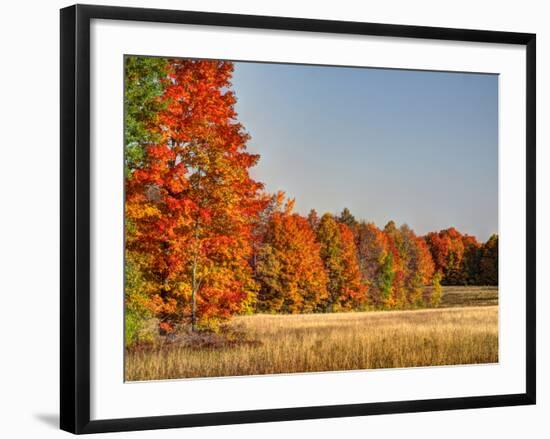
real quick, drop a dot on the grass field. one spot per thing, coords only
(269, 344)
(469, 296)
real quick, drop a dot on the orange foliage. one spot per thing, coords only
(194, 203)
(290, 271)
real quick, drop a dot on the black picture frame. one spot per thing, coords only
(75, 218)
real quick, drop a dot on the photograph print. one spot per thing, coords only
(293, 218)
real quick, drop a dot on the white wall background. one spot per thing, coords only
(29, 248)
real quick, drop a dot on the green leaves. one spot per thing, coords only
(145, 80)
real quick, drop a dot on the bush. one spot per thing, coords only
(139, 329)
(140, 326)
(437, 290)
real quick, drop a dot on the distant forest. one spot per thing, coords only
(205, 241)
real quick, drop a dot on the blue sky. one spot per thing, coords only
(417, 147)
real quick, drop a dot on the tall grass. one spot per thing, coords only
(469, 296)
(272, 344)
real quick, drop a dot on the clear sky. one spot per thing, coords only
(417, 147)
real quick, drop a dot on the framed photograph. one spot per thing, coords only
(268, 219)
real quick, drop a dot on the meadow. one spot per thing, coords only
(462, 330)
(457, 296)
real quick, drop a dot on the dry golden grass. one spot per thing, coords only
(330, 342)
(469, 296)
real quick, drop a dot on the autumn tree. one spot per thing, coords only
(313, 219)
(447, 248)
(459, 258)
(398, 245)
(201, 128)
(157, 211)
(418, 266)
(145, 79)
(372, 250)
(453, 273)
(433, 297)
(423, 262)
(290, 271)
(471, 260)
(194, 203)
(274, 203)
(488, 265)
(395, 263)
(386, 280)
(338, 252)
(439, 248)
(354, 290)
(328, 235)
(347, 218)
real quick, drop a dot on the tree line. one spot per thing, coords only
(205, 241)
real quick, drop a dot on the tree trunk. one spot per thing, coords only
(194, 281)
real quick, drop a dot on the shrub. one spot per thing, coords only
(139, 329)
